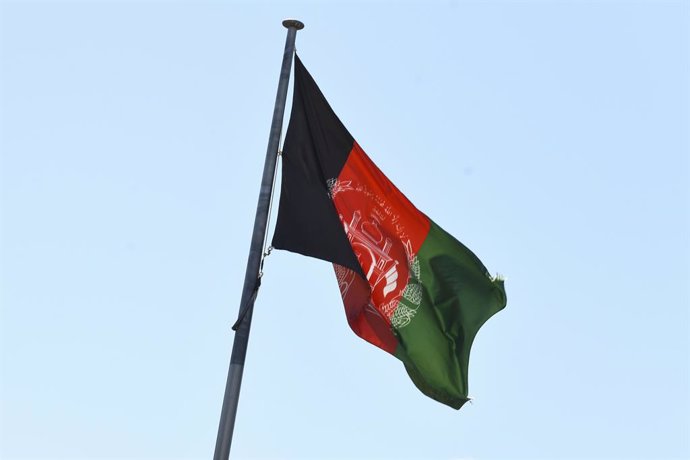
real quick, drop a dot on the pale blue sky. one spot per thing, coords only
(550, 137)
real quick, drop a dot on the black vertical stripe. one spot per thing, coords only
(316, 148)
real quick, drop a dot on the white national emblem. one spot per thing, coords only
(344, 277)
(382, 270)
(411, 298)
(335, 186)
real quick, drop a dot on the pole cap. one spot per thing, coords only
(299, 25)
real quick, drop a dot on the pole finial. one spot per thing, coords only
(299, 25)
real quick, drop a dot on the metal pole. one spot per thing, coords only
(239, 346)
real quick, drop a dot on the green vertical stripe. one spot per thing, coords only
(458, 296)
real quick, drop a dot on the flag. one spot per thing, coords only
(408, 287)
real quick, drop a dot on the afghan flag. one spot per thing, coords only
(408, 287)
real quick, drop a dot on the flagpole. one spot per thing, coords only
(252, 277)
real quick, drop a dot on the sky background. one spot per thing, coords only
(550, 137)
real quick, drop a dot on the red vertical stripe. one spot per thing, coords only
(385, 231)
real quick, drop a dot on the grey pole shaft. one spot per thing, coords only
(239, 346)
